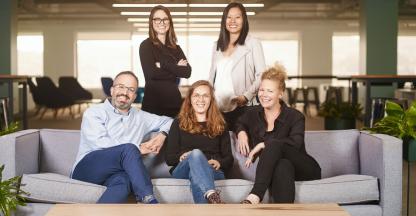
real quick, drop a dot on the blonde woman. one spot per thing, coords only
(275, 133)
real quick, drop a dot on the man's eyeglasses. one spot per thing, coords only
(121, 87)
(159, 21)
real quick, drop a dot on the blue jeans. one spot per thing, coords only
(120, 169)
(201, 175)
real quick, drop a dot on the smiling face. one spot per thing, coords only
(123, 92)
(201, 99)
(269, 93)
(234, 22)
(160, 22)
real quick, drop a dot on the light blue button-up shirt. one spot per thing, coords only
(103, 126)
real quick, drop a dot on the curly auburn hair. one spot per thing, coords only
(187, 118)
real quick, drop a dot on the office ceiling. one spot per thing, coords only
(273, 9)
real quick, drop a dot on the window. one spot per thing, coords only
(137, 66)
(30, 54)
(285, 52)
(200, 55)
(102, 55)
(406, 61)
(345, 56)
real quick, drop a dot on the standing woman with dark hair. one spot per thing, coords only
(237, 64)
(163, 62)
(199, 146)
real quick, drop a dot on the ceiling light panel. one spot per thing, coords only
(224, 5)
(148, 5)
(183, 5)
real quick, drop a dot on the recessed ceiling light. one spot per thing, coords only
(183, 5)
(197, 29)
(185, 25)
(137, 19)
(187, 29)
(136, 13)
(148, 5)
(213, 13)
(224, 5)
(204, 20)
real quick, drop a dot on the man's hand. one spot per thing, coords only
(242, 143)
(215, 164)
(144, 149)
(155, 144)
(184, 156)
(253, 152)
(240, 100)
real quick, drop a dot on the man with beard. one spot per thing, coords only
(112, 144)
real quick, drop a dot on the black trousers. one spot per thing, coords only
(280, 165)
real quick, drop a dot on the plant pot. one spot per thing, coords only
(409, 150)
(339, 123)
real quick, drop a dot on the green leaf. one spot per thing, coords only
(411, 115)
(10, 194)
(394, 109)
(13, 127)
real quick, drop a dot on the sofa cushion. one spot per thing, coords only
(55, 188)
(344, 189)
(336, 151)
(58, 150)
(170, 190)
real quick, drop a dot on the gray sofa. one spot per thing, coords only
(360, 171)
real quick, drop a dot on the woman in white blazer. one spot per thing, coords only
(237, 64)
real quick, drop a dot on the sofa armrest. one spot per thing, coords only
(381, 156)
(19, 152)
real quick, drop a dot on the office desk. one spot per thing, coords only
(368, 80)
(9, 80)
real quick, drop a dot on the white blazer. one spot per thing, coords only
(249, 64)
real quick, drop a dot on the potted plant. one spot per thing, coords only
(339, 116)
(10, 194)
(13, 127)
(401, 124)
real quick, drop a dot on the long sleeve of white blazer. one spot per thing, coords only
(249, 64)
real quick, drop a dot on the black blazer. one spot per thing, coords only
(289, 127)
(161, 93)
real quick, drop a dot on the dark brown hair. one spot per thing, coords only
(224, 38)
(187, 118)
(170, 36)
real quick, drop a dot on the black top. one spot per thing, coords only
(289, 127)
(179, 142)
(161, 93)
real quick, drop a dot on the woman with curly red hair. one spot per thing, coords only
(199, 146)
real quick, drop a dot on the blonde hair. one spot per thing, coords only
(276, 73)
